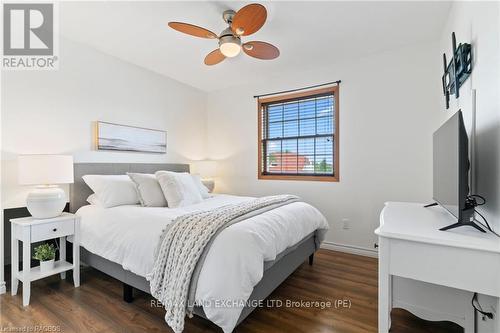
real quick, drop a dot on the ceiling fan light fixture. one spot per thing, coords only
(230, 46)
(246, 21)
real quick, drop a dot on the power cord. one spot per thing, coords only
(486, 221)
(473, 203)
(474, 196)
(479, 309)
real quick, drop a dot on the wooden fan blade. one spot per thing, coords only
(261, 50)
(214, 57)
(192, 30)
(249, 19)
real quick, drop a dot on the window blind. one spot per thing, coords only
(297, 136)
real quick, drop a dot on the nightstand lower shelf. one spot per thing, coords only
(35, 273)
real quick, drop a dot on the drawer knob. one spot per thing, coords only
(54, 230)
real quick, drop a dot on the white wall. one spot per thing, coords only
(478, 23)
(388, 111)
(53, 112)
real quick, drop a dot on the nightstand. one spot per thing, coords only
(29, 230)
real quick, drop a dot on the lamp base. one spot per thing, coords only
(45, 202)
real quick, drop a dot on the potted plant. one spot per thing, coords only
(46, 253)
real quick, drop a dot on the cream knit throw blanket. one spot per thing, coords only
(182, 244)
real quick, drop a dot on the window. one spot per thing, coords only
(298, 136)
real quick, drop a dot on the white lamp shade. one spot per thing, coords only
(45, 169)
(206, 169)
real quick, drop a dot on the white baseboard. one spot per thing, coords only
(362, 251)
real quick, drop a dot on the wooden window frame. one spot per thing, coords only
(292, 96)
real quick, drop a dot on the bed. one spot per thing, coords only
(109, 242)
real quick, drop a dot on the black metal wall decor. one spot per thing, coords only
(458, 70)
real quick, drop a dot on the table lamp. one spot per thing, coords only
(47, 199)
(207, 170)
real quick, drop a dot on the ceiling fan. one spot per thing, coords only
(246, 21)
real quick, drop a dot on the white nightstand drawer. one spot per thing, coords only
(51, 230)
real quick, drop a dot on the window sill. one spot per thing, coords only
(303, 178)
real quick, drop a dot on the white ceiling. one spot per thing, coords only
(308, 34)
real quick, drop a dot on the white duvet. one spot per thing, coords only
(128, 235)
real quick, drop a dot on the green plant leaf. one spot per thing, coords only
(45, 252)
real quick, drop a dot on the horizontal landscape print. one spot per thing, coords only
(129, 138)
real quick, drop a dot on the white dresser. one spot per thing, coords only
(433, 273)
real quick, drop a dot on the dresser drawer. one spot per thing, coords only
(52, 230)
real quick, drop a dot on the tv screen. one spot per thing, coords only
(451, 164)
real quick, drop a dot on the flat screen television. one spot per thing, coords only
(451, 171)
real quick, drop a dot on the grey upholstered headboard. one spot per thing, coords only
(79, 191)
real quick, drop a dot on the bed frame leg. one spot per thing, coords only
(311, 259)
(128, 293)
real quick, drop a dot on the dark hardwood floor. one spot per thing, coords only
(97, 305)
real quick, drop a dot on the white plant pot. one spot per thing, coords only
(47, 265)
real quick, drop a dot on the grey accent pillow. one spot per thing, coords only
(179, 188)
(209, 184)
(148, 190)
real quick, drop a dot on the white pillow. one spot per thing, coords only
(94, 200)
(201, 187)
(148, 189)
(113, 190)
(179, 188)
